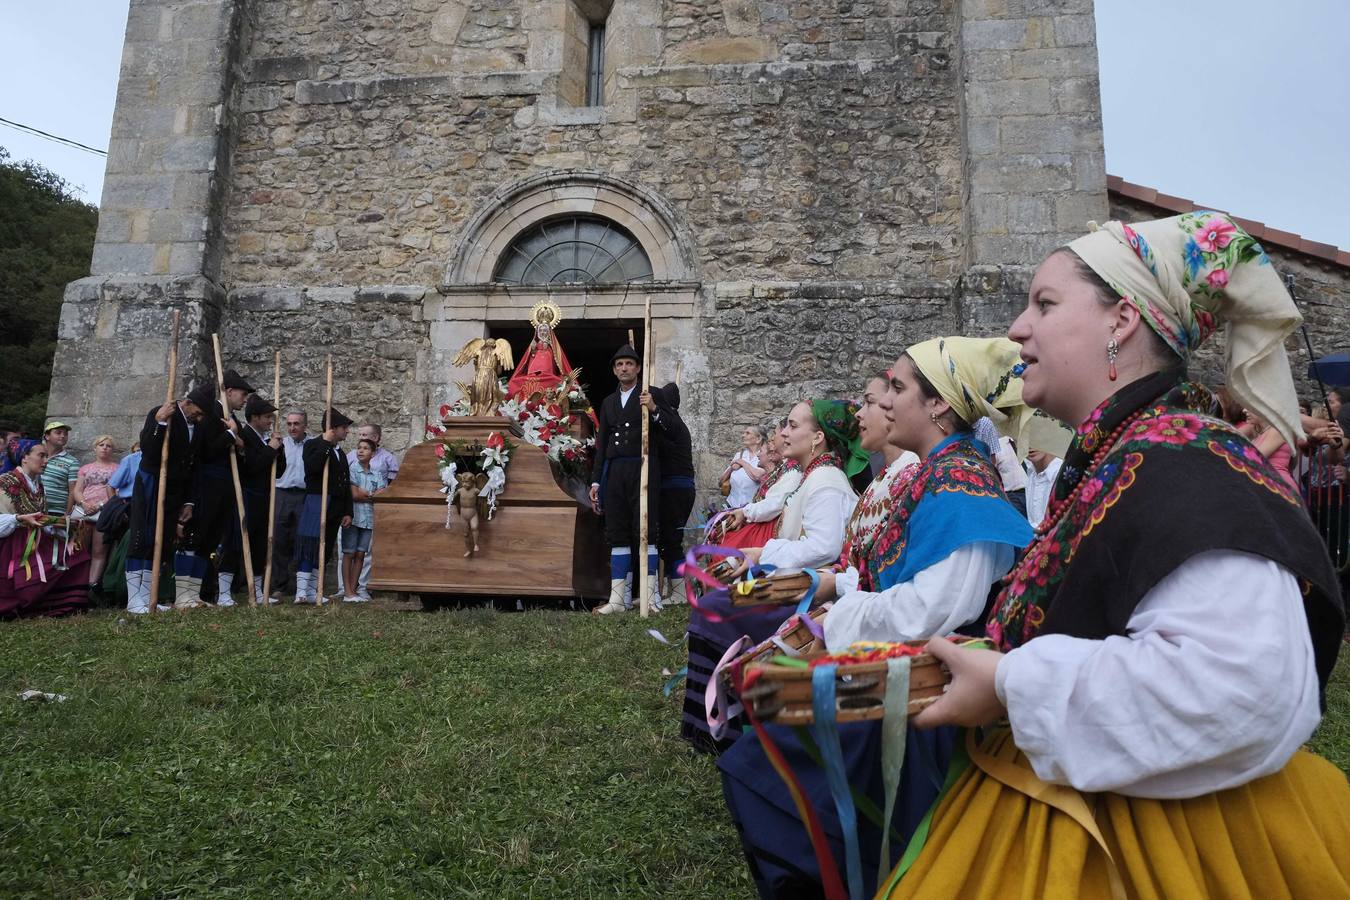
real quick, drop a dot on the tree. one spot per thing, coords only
(46, 241)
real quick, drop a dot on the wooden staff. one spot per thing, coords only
(158, 555)
(323, 498)
(234, 477)
(272, 487)
(646, 585)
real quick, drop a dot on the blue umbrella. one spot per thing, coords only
(1332, 369)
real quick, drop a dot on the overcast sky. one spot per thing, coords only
(1243, 105)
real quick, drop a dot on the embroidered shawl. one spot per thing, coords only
(16, 494)
(955, 498)
(1177, 483)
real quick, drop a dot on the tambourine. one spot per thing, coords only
(772, 590)
(780, 690)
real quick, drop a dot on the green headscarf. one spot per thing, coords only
(837, 418)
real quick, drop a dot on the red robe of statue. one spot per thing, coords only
(541, 369)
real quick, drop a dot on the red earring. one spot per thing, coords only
(1112, 349)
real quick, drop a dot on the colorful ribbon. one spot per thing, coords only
(825, 729)
(894, 731)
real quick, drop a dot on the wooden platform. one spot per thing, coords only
(540, 543)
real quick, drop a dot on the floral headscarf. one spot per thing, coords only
(1188, 274)
(982, 377)
(837, 418)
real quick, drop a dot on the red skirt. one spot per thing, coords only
(53, 581)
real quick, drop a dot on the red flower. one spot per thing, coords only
(435, 430)
(554, 411)
(445, 410)
(440, 451)
(495, 441)
(1218, 279)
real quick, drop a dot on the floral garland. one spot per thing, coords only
(547, 424)
(489, 458)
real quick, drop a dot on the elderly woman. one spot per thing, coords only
(947, 533)
(1165, 642)
(743, 475)
(821, 437)
(40, 573)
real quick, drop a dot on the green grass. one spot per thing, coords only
(353, 752)
(365, 752)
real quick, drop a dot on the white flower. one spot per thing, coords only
(448, 475)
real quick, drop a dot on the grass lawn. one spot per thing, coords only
(354, 752)
(365, 752)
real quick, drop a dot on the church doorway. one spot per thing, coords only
(588, 344)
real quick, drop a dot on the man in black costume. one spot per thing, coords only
(180, 420)
(616, 478)
(675, 451)
(216, 519)
(326, 447)
(262, 446)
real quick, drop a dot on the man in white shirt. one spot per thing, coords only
(290, 502)
(1042, 469)
(384, 463)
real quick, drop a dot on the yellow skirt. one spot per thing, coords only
(1001, 833)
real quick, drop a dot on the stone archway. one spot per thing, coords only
(469, 304)
(529, 201)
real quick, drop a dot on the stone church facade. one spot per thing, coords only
(799, 189)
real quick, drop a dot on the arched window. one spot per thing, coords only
(575, 250)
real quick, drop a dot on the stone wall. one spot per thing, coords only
(822, 184)
(1322, 289)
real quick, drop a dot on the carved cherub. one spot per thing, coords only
(489, 356)
(471, 484)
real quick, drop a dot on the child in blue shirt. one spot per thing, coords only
(366, 483)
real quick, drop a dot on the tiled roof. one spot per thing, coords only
(1285, 240)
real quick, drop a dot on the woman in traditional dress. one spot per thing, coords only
(41, 573)
(947, 536)
(1165, 642)
(821, 436)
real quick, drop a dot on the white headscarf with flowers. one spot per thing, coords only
(1188, 274)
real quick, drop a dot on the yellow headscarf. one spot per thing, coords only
(982, 377)
(1188, 274)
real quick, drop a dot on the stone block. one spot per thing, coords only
(982, 135)
(1065, 62)
(989, 213)
(993, 34)
(137, 192)
(330, 296)
(723, 50)
(282, 68)
(1048, 134)
(391, 294)
(186, 154)
(258, 98)
(256, 298)
(1030, 215)
(1077, 95)
(1073, 211)
(1089, 172)
(1020, 97)
(185, 258)
(123, 259)
(1021, 174)
(1075, 31)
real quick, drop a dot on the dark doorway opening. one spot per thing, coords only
(588, 345)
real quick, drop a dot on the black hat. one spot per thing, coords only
(668, 396)
(626, 352)
(257, 406)
(203, 395)
(339, 420)
(234, 380)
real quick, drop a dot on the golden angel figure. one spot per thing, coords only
(488, 356)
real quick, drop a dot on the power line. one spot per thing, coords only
(52, 137)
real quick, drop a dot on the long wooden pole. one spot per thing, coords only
(646, 585)
(234, 477)
(272, 484)
(323, 498)
(157, 556)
